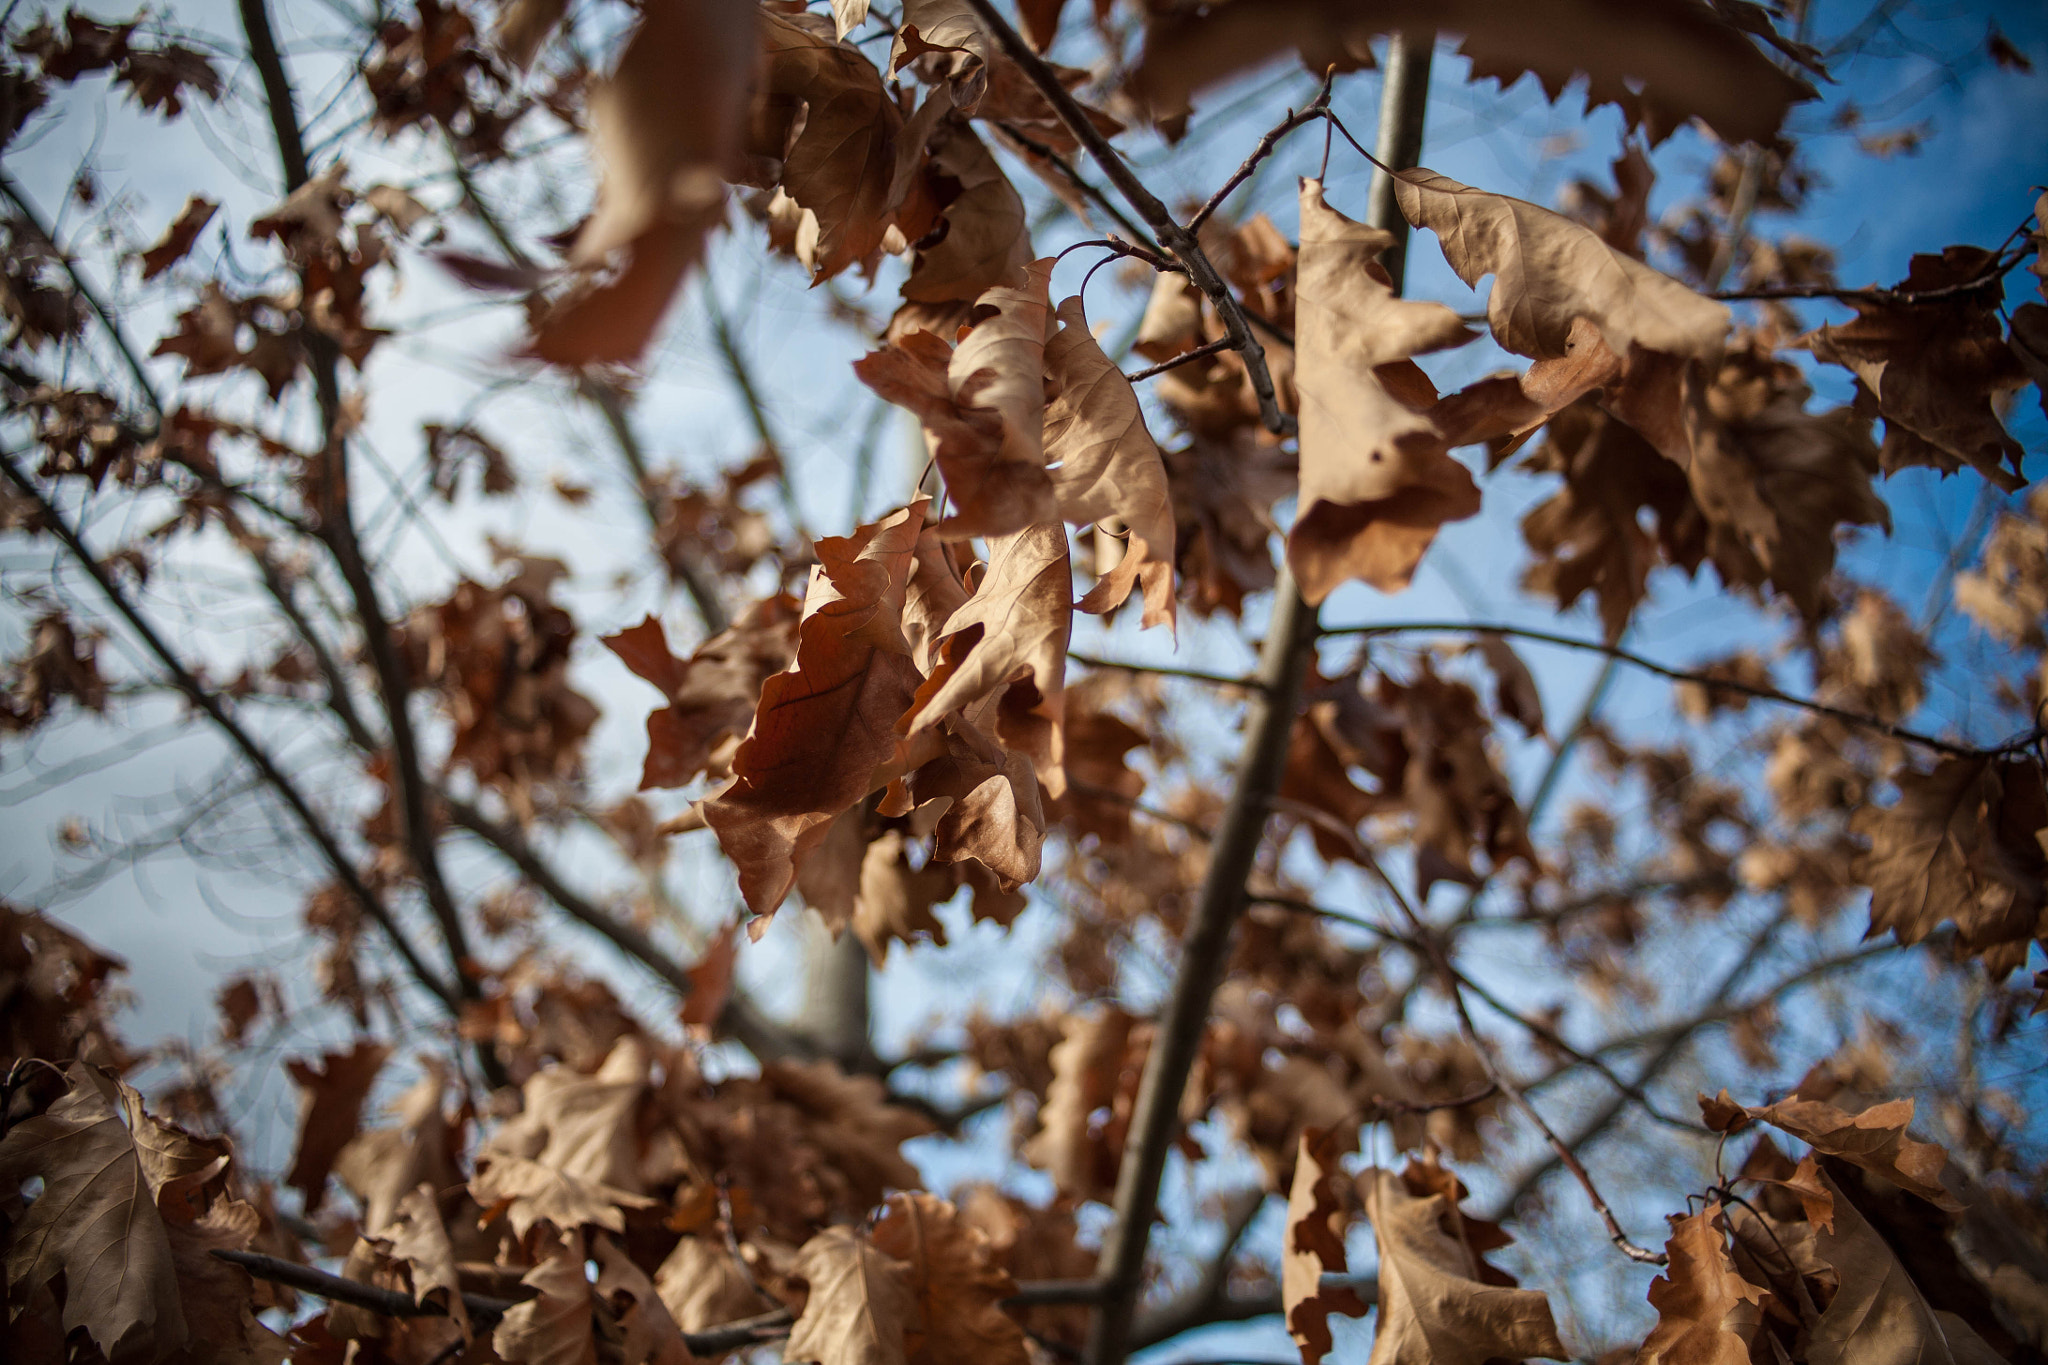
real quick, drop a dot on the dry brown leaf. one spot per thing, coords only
(824, 725)
(420, 1239)
(860, 1306)
(1013, 631)
(648, 1334)
(1878, 1316)
(1874, 1140)
(848, 15)
(1707, 1313)
(331, 1099)
(1662, 61)
(986, 242)
(955, 1284)
(1549, 271)
(712, 694)
(555, 1326)
(1961, 845)
(527, 1193)
(1375, 480)
(179, 236)
(947, 41)
(383, 1165)
(1935, 370)
(95, 1223)
(704, 1286)
(1106, 466)
(1314, 1247)
(581, 1126)
(711, 979)
(1515, 694)
(842, 166)
(1433, 1307)
(895, 901)
(1086, 1065)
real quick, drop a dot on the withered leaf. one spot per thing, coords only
(95, 1223)
(985, 241)
(1874, 1140)
(331, 1099)
(1878, 1315)
(1376, 482)
(1105, 465)
(1433, 1307)
(711, 695)
(419, 1238)
(1087, 1065)
(1549, 271)
(1934, 369)
(179, 236)
(554, 1326)
(649, 1335)
(1707, 1313)
(1314, 1247)
(828, 722)
(954, 1281)
(860, 1306)
(1662, 62)
(1960, 845)
(1013, 630)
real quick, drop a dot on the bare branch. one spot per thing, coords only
(199, 695)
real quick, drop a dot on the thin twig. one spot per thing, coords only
(1077, 180)
(1634, 660)
(1164, 671)
(200, 696)
(1185, 358)
(1172, 236)
(1310, 112)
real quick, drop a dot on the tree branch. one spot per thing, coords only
(1186, 358)
(337, 530)
(1310, 112)
(197, 693)
(1634, 660)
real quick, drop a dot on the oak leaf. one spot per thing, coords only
(648, 1334)
(381, 1166)
(179, 236)
(1012, 633)
(1878, 1316)
(985, 242)
(1106, 466)
(1549, 271)
(1960, 844)
(1087, 1065)
(554, 1327)
(1433, 1307)
(1376, 482)
(859, 1307)
(955, 1284)
(703, 1285)
(419, 1238)
(331, 1097)
(579, 1125)
(1707, 1313)
(711, 695)
(527, 1193)
(823, 726)
(1934, 369)
(1874, 1140)
(1314, 1247)
(95, 1223)
(1662, 62)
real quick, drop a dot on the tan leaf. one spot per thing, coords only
(220, 1299)
(1087, 1065)
(1874, 1140)
(1960, 845)
(1707, 1313)
(1172, 322)
(1375, 481)
(860, 1305)
(1549, 271)
(986, 242)
(843, 164)
(179, 236)
(649, 1335)
(419, 1238)
(1013, 630)
(95, 1223)
(396, 207)
(1314, 1247)
(331, 1099)
(848, 15)
(555, 1326)
(704, 1286)
(712, 694)
(1878, 1316)
(954, 1281)
(526, 1192)
(824, 725)
(1105, 465)
(895, 901)
(948, 42)
(1433, 1307)
(582, 1126)
(383, 1165)
(1515, 694)
(711, 978)
(1935, 369)
(1663, 62)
